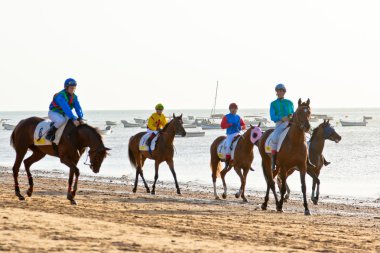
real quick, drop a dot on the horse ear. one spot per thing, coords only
(250, 125)
(308, 102)
(259, 124)
(173, 115)
(181, 116)
(299, 102)
(328, 122)
(324, 122)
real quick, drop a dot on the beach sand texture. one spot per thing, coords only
(110, 218)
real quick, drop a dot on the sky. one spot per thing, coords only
(128, 55)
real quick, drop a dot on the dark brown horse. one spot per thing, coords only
(163, 152)
(72, 145)
(242, 161)
(293, 153)
(317, 143)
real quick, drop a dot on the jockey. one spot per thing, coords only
(61, 107)
(281, 110)
(156, 122)
(234, 124)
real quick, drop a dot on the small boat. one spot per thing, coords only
(106, 131)
(140, 121)
(111, 123)
(354, 123)
(8, 126)
(189, 126)
(367, 117)
(211, 126)
(194, 134)
(129, 124)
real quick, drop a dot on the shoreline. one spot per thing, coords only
(109, 217)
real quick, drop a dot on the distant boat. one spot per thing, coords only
(367, 117)
(211, 126)
(194, 134)
(111, 123)
(189, 126)
(354, 123)
(129, 124)
(8, 126)
(106, 131)
(140, 121)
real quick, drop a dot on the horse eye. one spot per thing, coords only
(254, 135)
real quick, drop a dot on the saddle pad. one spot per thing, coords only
(268, 143)
(142, 144)
(41, 131)
(222, 148)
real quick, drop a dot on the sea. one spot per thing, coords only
(354, 170)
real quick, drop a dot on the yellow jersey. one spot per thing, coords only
(156, 121)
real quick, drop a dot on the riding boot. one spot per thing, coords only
(50, 135)
(309, 163)
(274, 159)
(149, 142)
(325, 162)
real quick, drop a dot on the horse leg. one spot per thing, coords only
(156, 165)
(16, 168)
(143, 179)
(287, 195)
(35, 157)
(316, 181)
(75, 187)
(140, 163)
(73, 170)
(245, 174)
(267, 171)
(171, 166)
(303, 187)
(238, 193)
(223, 176)
(136, 179)
(283, 190)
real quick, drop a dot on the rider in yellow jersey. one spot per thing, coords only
(156, 122)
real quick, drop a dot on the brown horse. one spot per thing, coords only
(293, 153)
(317, 143)
(72, 145)
(163, 152)
(242, 161)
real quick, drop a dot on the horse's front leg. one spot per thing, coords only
(73, 170)
(303, 187)
(75, 187)
(223, 176)
(69, 195)
(156, 166)
(316, 182)
(171, 166)
(283, 189)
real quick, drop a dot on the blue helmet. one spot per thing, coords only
(280, 86)
(70, 82)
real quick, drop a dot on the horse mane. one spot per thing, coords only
(95, 130)
(313, 134)
(167, 125)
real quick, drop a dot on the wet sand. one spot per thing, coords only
(110, 218)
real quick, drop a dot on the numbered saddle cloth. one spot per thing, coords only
(268, 143)
(41, 131)
(144, 139)
(222, 148)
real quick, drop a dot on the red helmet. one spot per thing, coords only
(233, 106)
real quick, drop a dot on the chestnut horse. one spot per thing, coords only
(163, 152)
(242, 161)
(316, 145)
(293, 153)
(72, 145)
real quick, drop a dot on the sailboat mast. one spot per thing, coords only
(216, 95)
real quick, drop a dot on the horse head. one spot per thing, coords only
(302, 115)
(178, 125)
(329, 132)
(255, 133)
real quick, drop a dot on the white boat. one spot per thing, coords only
(8, 126)
(354, 123)
(189, 126)
(140, 121)
(111, 123)
(106, 131)
(367, 117)
(211, 126)
(129, 124)
(194, 134)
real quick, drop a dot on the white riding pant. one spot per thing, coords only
(57, 118)
(229, 139)
(280, 127)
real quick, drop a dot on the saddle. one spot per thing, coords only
(222, 148)
(268, 142)
(144, 139)
(41, 130)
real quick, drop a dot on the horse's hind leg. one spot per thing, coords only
(223, 176)
(16, 168)
(156, 166)
(245, 174)
(134, 190)
(143, 179)
(303, 187)
(171, 166)
(35, 157)
(283, 190)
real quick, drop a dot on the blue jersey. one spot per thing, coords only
(281, 108)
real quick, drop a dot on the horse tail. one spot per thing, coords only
(12, 142)
(218, 169)
(131, 156)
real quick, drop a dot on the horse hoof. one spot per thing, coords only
(153, 192)
(29, 193)
(179, 192)
(73, 202)
(224, 196)
(147, 190)
(307, 212)
(263, 207)
(20, 197)
(237, 195)
(217, 198)
(245, 200)
(315, 202)
(134, 190)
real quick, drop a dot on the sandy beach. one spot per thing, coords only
(110, 218)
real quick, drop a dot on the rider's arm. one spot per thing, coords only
(152, 124)
(65, 107)
(242, 123)
(273, 115)
(78, 108)
(224, 124)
